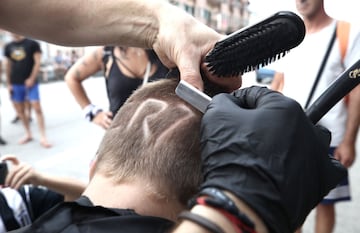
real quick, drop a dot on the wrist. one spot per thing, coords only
(349, 140)
(237, 212)
(215, 217)
(90, 111)
(259, 224)
(38, 179)
(30, 79)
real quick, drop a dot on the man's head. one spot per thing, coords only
(154, 137)
(17, 37)
(309, 8)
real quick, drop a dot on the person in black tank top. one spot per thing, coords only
(124, 68)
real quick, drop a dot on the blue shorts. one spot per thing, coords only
(20, 93)
(341, 192)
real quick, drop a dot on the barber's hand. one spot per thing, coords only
(260, 146)
(184, 43)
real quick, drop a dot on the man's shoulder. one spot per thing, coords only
(31, 42)
(80, 216)
(8, 45)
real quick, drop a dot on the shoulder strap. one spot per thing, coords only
(342, 33)
(107, 52)
(322, 66)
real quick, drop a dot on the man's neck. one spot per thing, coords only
(317, 22)
(131, 195)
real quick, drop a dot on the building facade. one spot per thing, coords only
(224, 16)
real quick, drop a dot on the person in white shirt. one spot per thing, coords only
(295, 78)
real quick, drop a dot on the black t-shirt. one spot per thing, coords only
(82, 216)
(21, 54)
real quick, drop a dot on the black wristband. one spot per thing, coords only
(200, 220)
(217, 199)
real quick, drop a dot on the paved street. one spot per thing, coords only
(75, 142)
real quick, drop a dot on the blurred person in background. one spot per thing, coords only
(23, 65)
(2, 141)
(124, 69)
(305, 73)
(28, 193)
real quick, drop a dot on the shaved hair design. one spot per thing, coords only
(155, 136)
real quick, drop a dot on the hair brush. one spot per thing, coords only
(257, 45)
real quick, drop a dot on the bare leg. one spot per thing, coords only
(28, 109)
(20, 111)
(41, 123)
(2, 141)
(325, 218)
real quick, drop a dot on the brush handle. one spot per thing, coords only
(347, 81)
(256, 45)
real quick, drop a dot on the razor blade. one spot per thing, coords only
(193, 96)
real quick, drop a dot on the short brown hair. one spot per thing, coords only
(155, 136)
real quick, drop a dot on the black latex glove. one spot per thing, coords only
(259, 145)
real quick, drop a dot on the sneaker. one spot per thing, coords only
(15, 120)
(2, 141)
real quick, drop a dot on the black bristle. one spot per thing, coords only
(257, 45)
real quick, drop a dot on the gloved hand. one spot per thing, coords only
(259, 145)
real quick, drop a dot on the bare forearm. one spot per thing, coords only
(35, 71)
(79, 22)
(1, 70)
(277, 83)
(77, 90)
(70, 188)
(8, 72)
(353, 121)
(83, 69)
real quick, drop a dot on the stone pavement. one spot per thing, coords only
(75, 142)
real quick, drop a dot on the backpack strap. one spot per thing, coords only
(342, 33)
